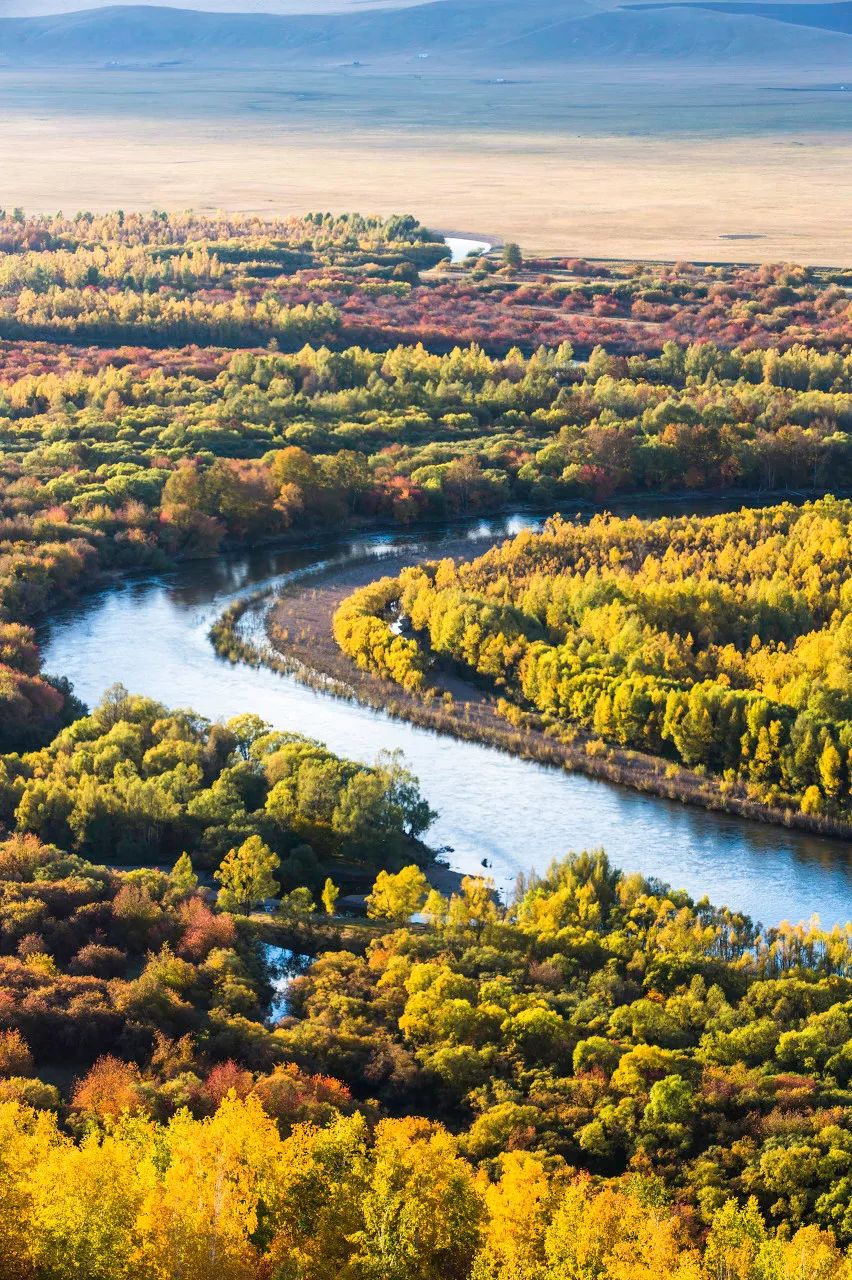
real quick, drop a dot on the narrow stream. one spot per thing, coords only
(151, 634)
(284, 965)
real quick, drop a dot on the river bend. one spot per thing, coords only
(151, 634)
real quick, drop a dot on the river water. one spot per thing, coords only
(460, 247)
(282, 965)
(151, 634)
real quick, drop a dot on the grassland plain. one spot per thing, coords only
(672, 166)
(783, 199)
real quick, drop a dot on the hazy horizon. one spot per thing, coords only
(50, 8)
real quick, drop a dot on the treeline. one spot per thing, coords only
(133, 782)
(314, 238)
(719, 642)
(109, 264)
(95, 314)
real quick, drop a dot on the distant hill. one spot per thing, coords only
(50, 8)
(827, 17)
(498, 33)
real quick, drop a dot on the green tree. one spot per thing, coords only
(246, 729)
(397, 897)
(247, 876)
(330, 894)
(297, 905)
(182, 879)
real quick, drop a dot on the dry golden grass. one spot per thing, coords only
(591, 195)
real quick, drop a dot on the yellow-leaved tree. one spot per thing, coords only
(422, 1209)
(397, 897)
(519, 1206)
(85, 1201)
(609, 1235)
(27, 1138)
(215, 1207)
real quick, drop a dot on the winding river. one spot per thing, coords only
(151, 634)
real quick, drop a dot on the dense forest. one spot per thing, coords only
(600, 1079)
(720, 642)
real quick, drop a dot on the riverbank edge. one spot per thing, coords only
(323, 667)
(625, 773)
(163, 563)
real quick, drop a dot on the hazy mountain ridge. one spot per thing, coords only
(52, 8)
(812, 13)
(452, 31)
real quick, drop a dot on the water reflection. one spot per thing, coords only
(284, 965)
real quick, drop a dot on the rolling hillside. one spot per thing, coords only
(451, 33)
